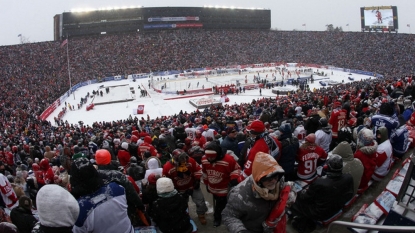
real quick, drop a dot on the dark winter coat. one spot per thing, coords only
(324, 197)
(244, 211)
(133, 148)
(230, 144)
(312, 124)
(170, 214)
(23, 219)
(289, 150)
(44, 229)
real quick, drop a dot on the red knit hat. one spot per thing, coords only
(256, 126)
(102, 157)
(152, 178)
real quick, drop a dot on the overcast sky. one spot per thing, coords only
(34, 19)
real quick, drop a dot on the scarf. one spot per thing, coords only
(170, 194)
(269, 195)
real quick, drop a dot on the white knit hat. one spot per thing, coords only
(124, 145)
(56, 206)
(164, 185)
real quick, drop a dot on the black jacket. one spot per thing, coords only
(23, 219)
(230, 144)
(170, 214)
(312, 124)
(324, 197)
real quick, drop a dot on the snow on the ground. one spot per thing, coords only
(155, 104)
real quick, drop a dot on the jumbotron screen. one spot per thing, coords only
(379, 18)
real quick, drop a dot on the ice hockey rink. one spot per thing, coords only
(121, 102)
(163, 104)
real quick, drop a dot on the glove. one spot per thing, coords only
(196, 185)
(233, 183)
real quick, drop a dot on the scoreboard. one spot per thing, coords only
(379, 18)
(98, 22)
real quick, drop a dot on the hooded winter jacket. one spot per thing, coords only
(351, 165)
(323, 138)
(170, 214)
(367, 155)
(246, 209)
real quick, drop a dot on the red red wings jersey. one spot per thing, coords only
(6, 192)
(259, 146)
(307, 159)
(337, 121)
(218, 175)
(187, 182)
(144, 147)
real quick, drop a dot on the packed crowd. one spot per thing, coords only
(144, 163)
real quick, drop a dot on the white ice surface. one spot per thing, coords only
(156, 105)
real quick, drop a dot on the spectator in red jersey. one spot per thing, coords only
(147, 146)
(261, 141)
(220, 170)
(46, 171)
(309, 156)
(338, 119)
(7, 194)
(186, 174)
(199, 139)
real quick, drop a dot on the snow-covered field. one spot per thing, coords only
(156, 105)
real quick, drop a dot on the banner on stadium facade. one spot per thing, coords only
(167, 19)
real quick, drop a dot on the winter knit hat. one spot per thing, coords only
(56, 206)
(152, 178)
(25, 202)
(311, 138)
(285, 128)
(256, 126)
(344, 150)
(365, 137)
(164, 185)
(84, 178)
(124, 145)
(102, 157)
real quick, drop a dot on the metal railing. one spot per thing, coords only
(371, 227)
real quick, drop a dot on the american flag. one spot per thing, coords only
(64, 43)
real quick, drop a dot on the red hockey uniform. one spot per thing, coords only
(337, 121)
(259, 146)
(307, 159)
(217, 175)
(187, 181)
